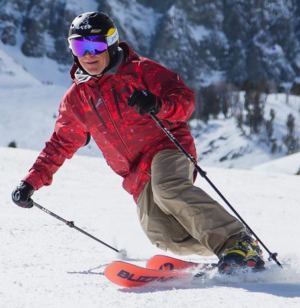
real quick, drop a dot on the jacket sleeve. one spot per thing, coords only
(68, 136)
(178, 101)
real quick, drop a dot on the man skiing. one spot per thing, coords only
(113, 91)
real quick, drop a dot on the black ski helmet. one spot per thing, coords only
(91, 23)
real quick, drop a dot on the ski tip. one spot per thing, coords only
(129, 275)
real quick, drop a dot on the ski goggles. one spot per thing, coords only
(92, 44)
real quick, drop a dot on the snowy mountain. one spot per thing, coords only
(12, 74)
(221, 143)
(45, 263)
(205, 41)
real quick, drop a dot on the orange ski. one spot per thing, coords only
(162, 262)
(129, 275)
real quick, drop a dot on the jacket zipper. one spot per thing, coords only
(91, 103)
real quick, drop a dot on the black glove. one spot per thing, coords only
(21, 195)
(144, 102)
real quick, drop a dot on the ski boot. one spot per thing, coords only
(243, 254)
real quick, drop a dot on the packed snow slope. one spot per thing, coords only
(46, 264)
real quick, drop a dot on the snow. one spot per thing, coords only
(199, 32)
(45, 263)
(12, 75)
(283, 105)
(137, 20)
(220, 143)
(210, 77)
(44, 69)
(82, 6)
(28, 107)
(18, 124)
(287, 165)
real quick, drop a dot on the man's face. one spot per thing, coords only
(94, 64)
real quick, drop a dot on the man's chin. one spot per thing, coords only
(93, 72)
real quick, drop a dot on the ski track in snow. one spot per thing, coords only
(44, 263)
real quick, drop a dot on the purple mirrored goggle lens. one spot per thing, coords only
(93, 44)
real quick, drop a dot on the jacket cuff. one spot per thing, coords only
(164, 110)
(34, 180)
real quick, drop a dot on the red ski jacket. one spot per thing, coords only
(128, 140)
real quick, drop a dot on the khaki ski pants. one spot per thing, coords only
(180, 217)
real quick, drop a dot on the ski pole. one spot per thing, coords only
(72, 225)
(272, 256)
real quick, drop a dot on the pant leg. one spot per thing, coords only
(201, 216)
(163, 230)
